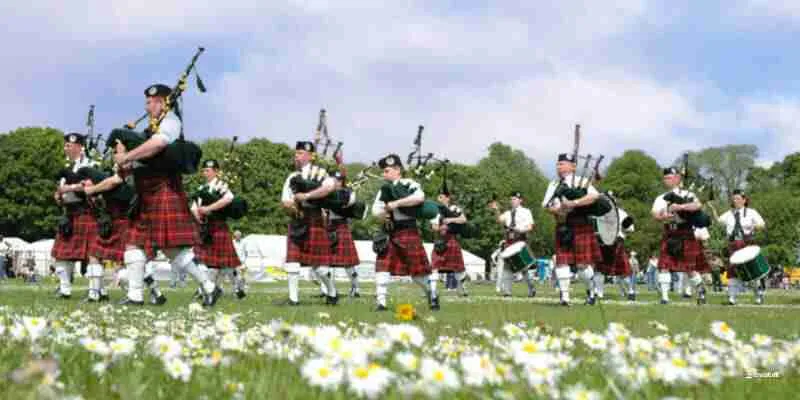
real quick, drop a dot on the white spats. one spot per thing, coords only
(135, 260)
(64, 273)
(323, 274)
(382, 287)
(599, 284)
(434, 280)
(664, 280)
(293, 277)
(353, 275)
(94, 271)
(563, 275)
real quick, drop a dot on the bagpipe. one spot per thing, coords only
(427, 210)
(341, 201)
(208, 194)
(181, 156)
(697, 219)
(587, 175)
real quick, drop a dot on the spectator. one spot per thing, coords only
(716, 273)
(635, 267)
(650, 274)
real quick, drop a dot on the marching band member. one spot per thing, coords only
(518, 223)
(447, 255)
(240, 273)
(576, 243)
(680, 249)
(401, 253)
(615, 260)
(741, 222)
(216, 252)
(307, 243)
(163, 221)
(344, 253)
(77, 229)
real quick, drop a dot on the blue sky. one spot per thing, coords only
(653, 75)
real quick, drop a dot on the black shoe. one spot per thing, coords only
(531, 291)
(322, 295)
(701, 296)
(240, 294)
(730, 303)
(632, 296)
(465, 294)
(590, 300)
(332, 300)
(664, 301)
(198, 294)
(434, 303)
(354, 292)
(686, 296)
(564, 303)
(381, 307)
(104, 298)
(64, 296)
(506, 294)
(88, 299)
(210, 299)
(158, 300)
(128, 302)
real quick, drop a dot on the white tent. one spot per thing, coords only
(39, 251)
(265, 256)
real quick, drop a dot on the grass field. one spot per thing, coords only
(481, 346)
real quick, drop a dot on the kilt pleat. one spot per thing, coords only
(451, 259)
(220, 253)
(585, 248)
(315, 250)
(164, 221)
(692, 260)
(78, 245)
(405, 255)
(619, 264)
(344, 254)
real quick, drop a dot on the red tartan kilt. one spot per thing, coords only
(78, 245)
(586, 248)
(411, 259)
(315, 250)
(345, 253)
(113, 247)
(620, 264)
(451, 260)
(732, 247)
(220, 253)
(165, 221)
(693, 259)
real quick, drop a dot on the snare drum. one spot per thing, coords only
(517, 257)
(750, 264)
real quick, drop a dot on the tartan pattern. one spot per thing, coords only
(409, 258)
(693, 259)
(451, 259)
(77, 246)
(315, 251)
(586, 247)
(220, 253)
(164, 221)
(620, 264)
(113, 247)
(732, 247)
(345, 253)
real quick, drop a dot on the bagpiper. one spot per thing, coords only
(575, 241)
(215, 251)
(399, 247)
(77, 228)
(680, 250)
(307, 242)
(741, 222)
(447, 256)
(343, 247)
(163, 220)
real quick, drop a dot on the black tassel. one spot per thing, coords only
(200, 86)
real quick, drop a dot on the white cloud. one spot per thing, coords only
(776, 121)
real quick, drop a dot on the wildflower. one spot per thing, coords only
(405, 312)
(320, 372)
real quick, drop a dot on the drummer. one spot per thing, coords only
(518, 222)
(741, 222)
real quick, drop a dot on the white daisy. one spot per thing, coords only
(122, 346)
(722, 330)
(406, 335)
(408, 361)
(579, 392)
(165, 347)
(369, 381)
(437, 376)
(34, 326)
(322, 373)
(178, 369)
(95, 346)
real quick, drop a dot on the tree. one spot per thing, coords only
(727, 165)
(634, 176)
(31, 159)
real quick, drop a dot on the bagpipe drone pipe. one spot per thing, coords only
(339, 201)
(425, 211)
(207, 195)
(698, 218)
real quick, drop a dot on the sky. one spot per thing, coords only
(659, 76)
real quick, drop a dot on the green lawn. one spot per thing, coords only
(266, 358)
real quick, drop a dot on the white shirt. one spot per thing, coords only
(71, 197)
(216, 185)
(660, 205)
(378, 206)
(749, 219)
(310, 172)
(169, 129)
(567, 180)
(523, 219)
